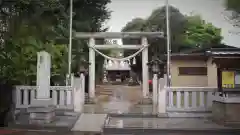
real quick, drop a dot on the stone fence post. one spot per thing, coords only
(162, 94)
(155, 89)
(79, 93)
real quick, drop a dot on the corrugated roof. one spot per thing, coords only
(223, 51)
(226, 53)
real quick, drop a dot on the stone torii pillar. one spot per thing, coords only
(91, 69)
(145, 71)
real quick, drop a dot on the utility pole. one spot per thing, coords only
(168, 44)
(70, 43)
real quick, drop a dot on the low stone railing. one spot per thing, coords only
(63, 97)
(189, 99)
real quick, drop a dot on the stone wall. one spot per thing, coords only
(226, 113)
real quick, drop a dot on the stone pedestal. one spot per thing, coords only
(226, 111)
(41, 115)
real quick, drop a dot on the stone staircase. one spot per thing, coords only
(105, 90)
(132, 111)
(108, 101)
(102, 93)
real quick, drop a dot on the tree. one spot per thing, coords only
(186, 32)
(30, 28)
(89, 16)
(157, 22)
(33, 25)
(200, 34)
(234, 6)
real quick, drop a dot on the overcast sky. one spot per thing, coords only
(212, 11)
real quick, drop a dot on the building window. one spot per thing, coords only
(192, 70)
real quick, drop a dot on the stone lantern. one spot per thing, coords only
(83, 67)
(157, 67)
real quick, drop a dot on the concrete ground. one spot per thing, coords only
(164, 123)
(167, 126)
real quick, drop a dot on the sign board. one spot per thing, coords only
(228, 79)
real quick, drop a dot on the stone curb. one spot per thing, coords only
(109, 130)
(134, 115)
(40, 128)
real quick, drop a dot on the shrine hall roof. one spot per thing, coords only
(223, 51)
(205, 53)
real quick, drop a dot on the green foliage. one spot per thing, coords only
(29, 26)
(186, 32)
(200, 33)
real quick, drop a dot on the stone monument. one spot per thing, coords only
(42, 109)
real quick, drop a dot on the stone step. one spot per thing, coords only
(137, 110)
(145, 101)
(114, 86)
(109, 90)
(103, 92)
(135, 115)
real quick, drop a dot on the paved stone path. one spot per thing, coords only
(90, 123)
(110, 99)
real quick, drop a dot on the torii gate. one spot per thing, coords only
(118, 35)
